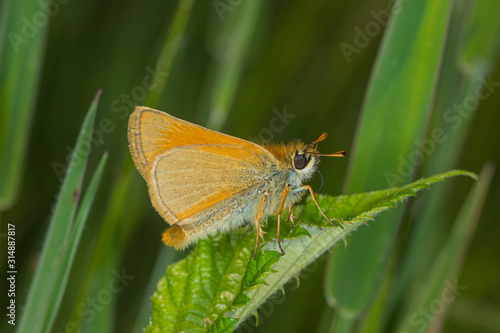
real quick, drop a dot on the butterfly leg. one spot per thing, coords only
(309, 188)
(260, 233)
(291, 217)
(283, 199)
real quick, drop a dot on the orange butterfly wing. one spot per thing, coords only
(189, 168)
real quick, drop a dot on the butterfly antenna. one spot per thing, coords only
(341, 153)
(321, 138)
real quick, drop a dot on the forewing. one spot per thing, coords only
(189, 168)
(188, 180)
(152, 133)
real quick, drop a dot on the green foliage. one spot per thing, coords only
(64, 235)
(385, 79)
(18, 91)
(196, 290)
(442, 277)
(403, 78)
(220, 283)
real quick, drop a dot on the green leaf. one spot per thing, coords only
(223, 325)
(21, 66)
(220, 278)
(258, 269)
(298, 231)
(197, 289)
(63, 236)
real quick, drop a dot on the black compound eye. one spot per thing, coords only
(300, 162)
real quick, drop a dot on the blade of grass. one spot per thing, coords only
(118, 223)
(21, 55)
(472, 46)
(171, 46)
(481, 317)
(480, 45)
(237, 32)
(41, 301)
(74, 240)
(394, 117)
(374, 320)
(429, 306)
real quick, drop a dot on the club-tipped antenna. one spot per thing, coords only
(321, 138)
(341, 153)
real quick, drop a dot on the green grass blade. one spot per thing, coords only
(471, 47)
(74, 240)
(480, 44)
(394, 117)
(124, 207)
(44, 286)
(22, 46)
(170, 49)
(237, 31)
(482, 317)
(441, 286)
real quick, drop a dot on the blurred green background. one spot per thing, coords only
(235, 66)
